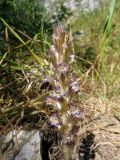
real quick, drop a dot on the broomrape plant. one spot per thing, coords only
(66, 116)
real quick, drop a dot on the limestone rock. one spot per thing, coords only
(24, 145)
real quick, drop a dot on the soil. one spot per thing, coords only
(107, 138)
(106, 128)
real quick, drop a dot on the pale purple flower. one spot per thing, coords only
(59, 96)
(77, 113)
(54, 121)
(75, 87)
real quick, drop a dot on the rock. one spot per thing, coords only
(24, 145)
(90, 5)
(86, 5)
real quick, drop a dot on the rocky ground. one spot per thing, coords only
(100, 120)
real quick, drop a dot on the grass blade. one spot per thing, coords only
(105, 39)
(40, 60)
